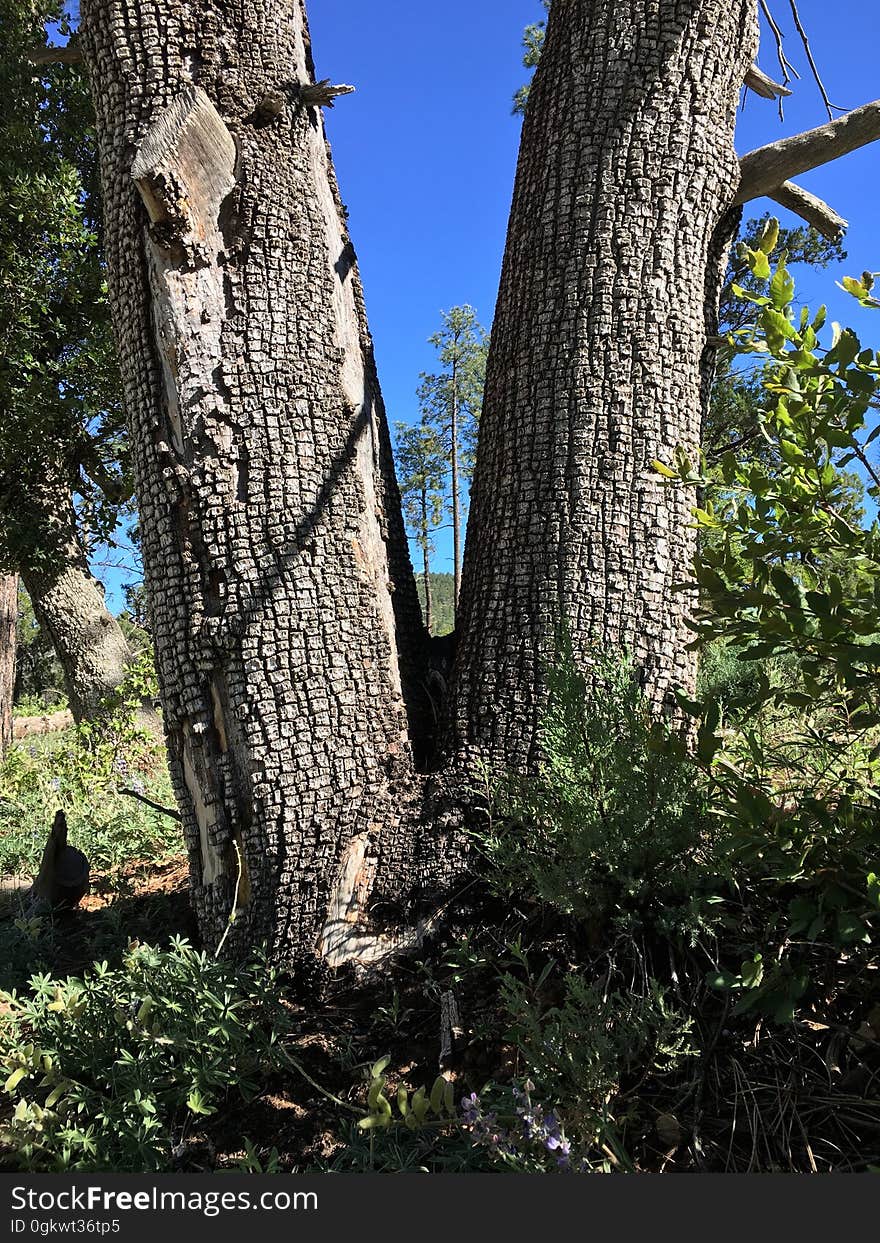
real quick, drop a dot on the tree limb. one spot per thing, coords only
(762, 84)
(767, 168)
(70, 55)
(810, 208)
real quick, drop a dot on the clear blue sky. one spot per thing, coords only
(425, 152)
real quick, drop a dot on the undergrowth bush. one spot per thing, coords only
(114, 1071)
(614, 830)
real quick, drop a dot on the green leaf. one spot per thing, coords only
(14, 1079)
(781, 287)
(769, 236)
(437, 1090)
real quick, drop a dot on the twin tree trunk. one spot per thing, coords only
(288, 636)
(597, 364)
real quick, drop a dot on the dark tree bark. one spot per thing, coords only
(285, 614)
(69, 604)
(597, 363)
(8, 631)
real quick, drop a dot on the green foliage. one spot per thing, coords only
(790, 584)
(614, 828)
(733, 421)
(579, 1049)
(442, 602)
(413, 1110)
(59, 383)
(115, 1070)
(39, 678)
(533, 43)
(462, 346)
(421, 474)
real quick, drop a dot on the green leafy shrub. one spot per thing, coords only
(790, 585)
(580, 1049)
(614, 828)
(113, 1071)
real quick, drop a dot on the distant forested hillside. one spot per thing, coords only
(441, 600)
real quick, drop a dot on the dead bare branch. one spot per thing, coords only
(70, 55)
(323, 93)
(830, 108)
(767, 168)
(810, 208)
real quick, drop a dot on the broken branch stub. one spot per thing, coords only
(762, 84)
(323, 93)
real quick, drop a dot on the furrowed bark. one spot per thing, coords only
(8, 632)
(69, 605)
(285, 614)
(598, 361)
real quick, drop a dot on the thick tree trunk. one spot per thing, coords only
(286, 618)
(8, 631)
(69, 605)
(597, 363)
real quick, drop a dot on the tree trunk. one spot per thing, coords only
(69, 605)
(8, 631)
(597, 363)
(286, 618)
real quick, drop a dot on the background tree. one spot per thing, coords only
(421, 468)
(451, 401)
(59, 388)
(533, 42)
